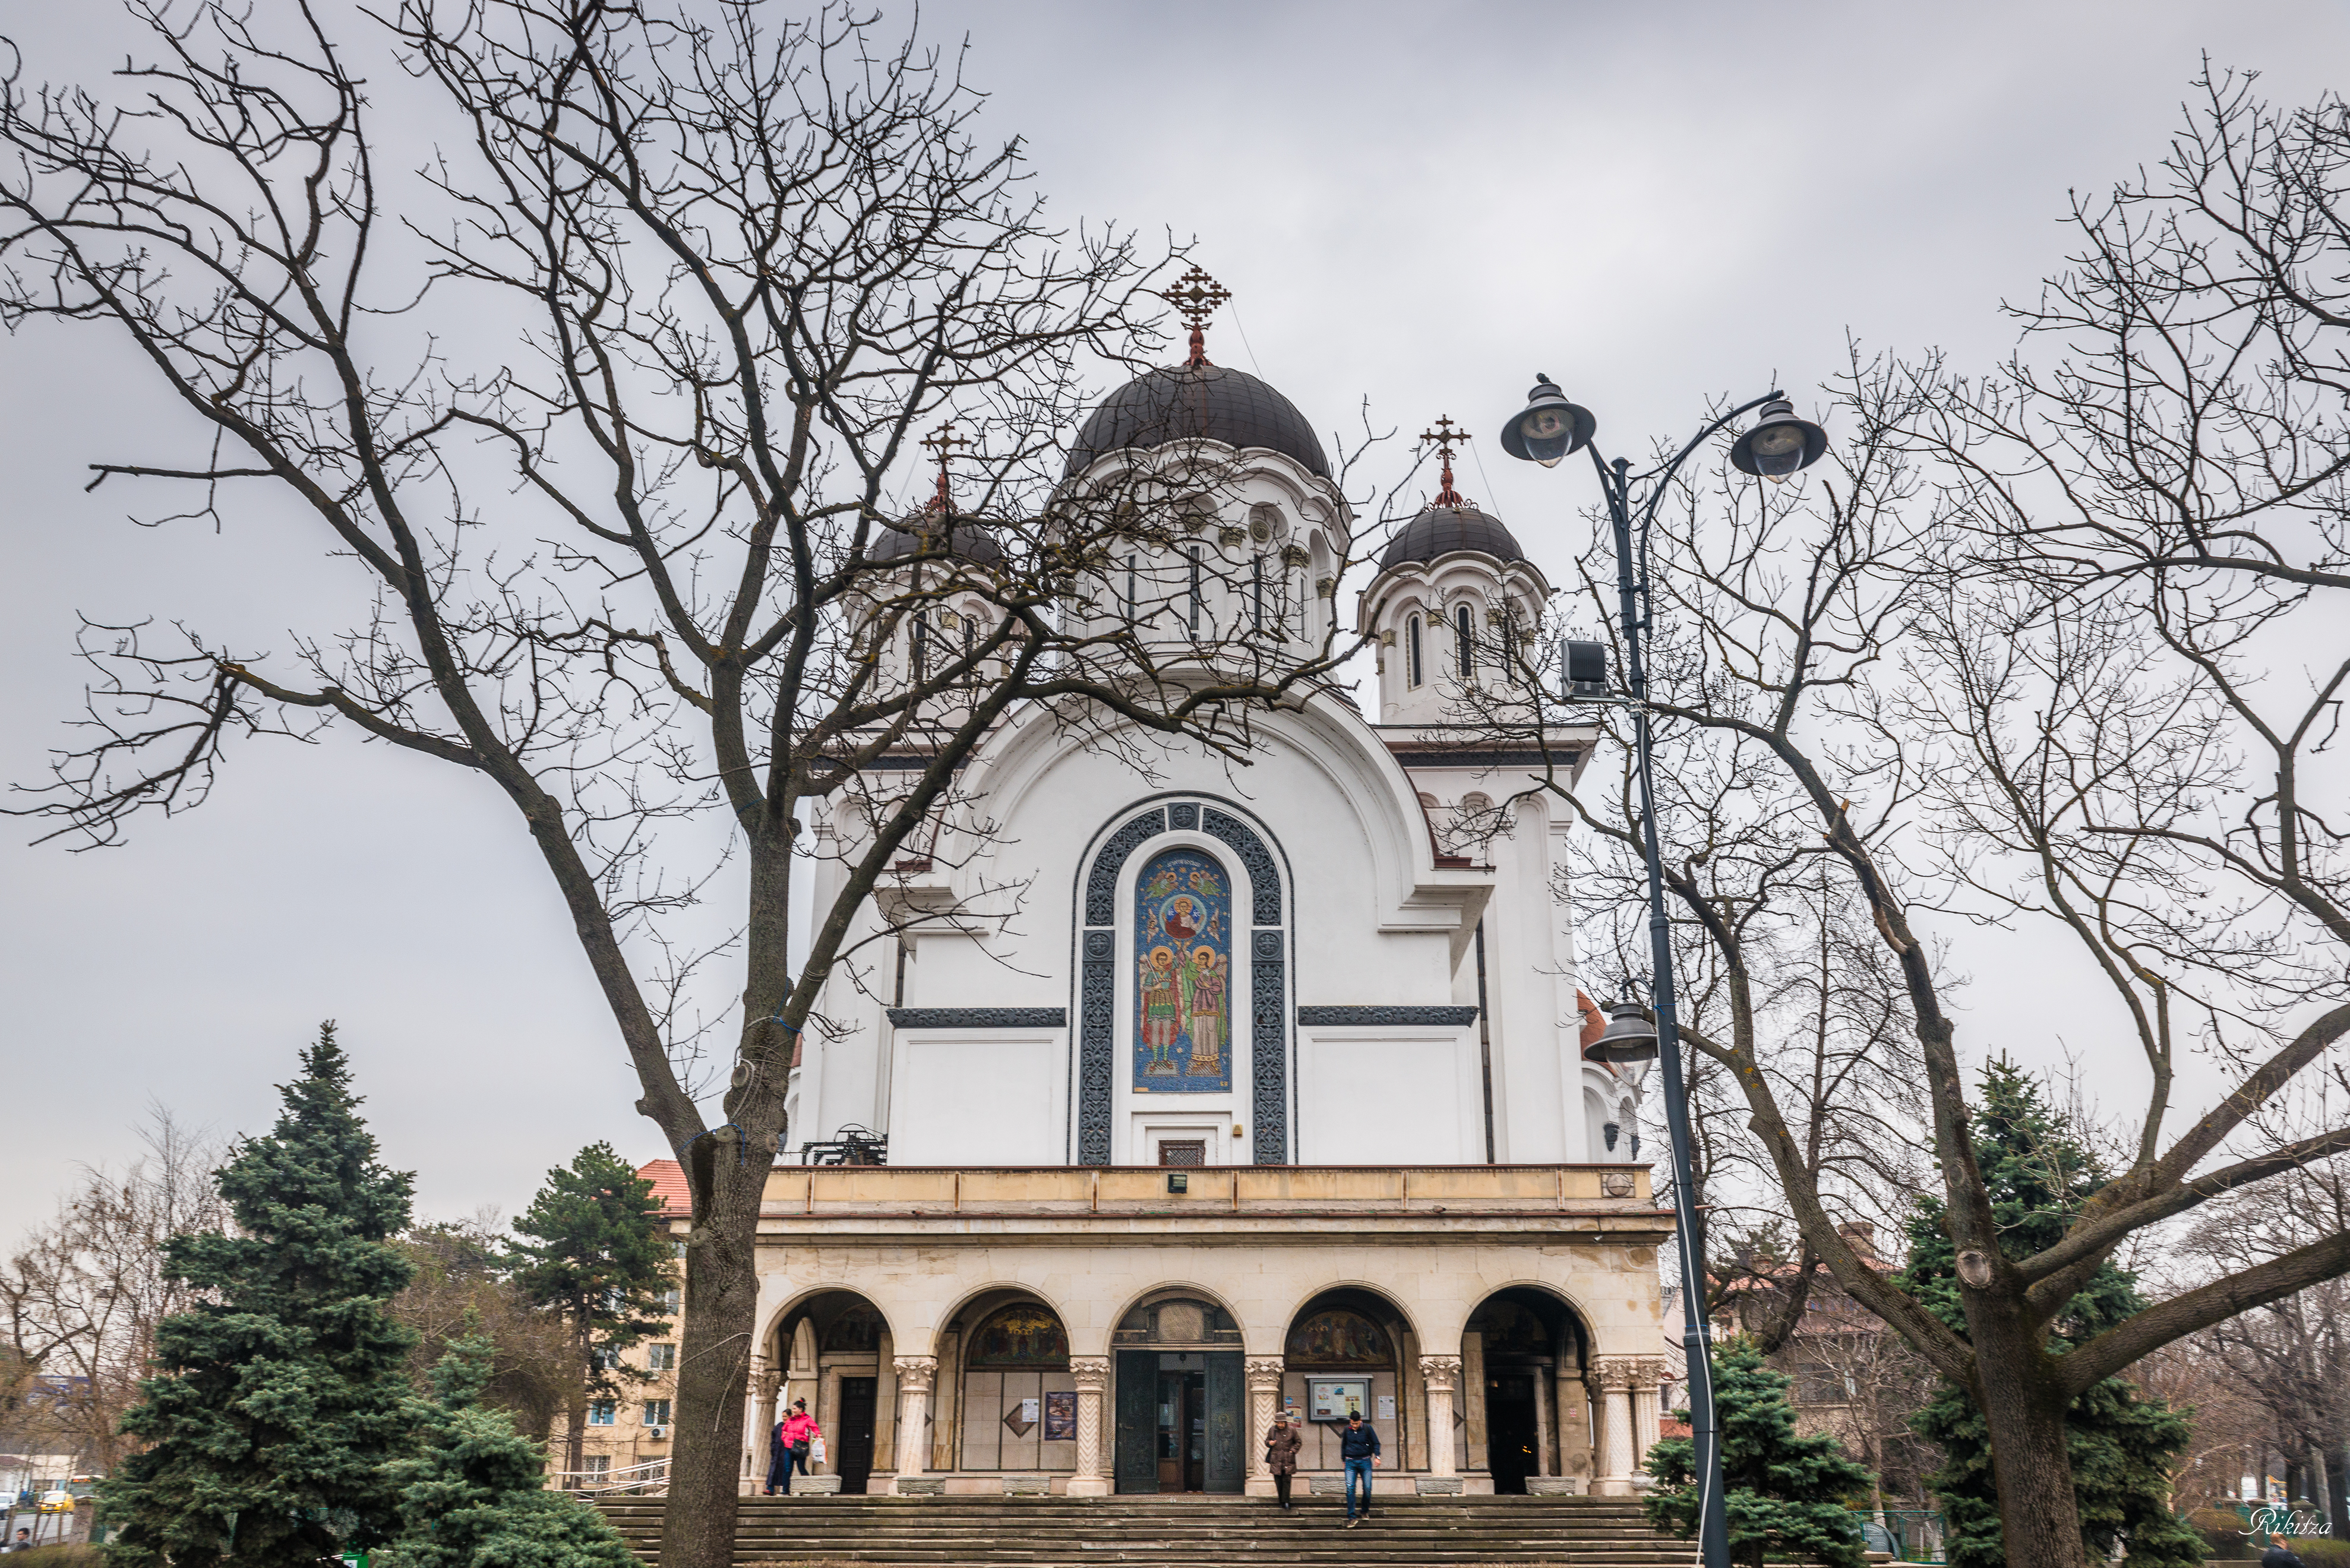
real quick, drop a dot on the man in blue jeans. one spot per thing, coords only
(1358, 1450)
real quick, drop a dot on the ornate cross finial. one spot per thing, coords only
(1195, 297)
(943, 443)
(1447, 436)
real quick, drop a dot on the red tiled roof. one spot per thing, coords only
(1595, 1023)
(668, 1178)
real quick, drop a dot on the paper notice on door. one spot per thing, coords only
(1387, 1407)
(1031, 1410)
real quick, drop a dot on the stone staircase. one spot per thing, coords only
(957, 1532)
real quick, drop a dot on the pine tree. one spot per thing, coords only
(2037, 1174)
(475, 1497)
(280, 1399)
(1784, 1494)
(594, 1251)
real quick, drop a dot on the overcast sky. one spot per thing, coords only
(1421, 203)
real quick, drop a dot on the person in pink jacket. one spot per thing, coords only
(790, 1444)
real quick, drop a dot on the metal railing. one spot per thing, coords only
(648, 1480)
(1912, 1534)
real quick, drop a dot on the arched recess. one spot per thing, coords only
(1351, 1348)
(1528, 1407)
(833, 1350)
(1006, 1398)
(1102, 947)
(1178, 1398)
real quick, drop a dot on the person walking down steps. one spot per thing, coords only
(1281, 1446)
(1358, 1450)
(788, 1448)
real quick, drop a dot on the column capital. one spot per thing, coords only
(1265, 1373)
(915, 1372)
(1652, 1371)
(1091, 1372)
(1616, 1372)
(1441, 1372)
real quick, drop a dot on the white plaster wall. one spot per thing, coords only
(977, 1099)
(1380, 1096)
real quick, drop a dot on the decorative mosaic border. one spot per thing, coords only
(980, 1017)
(1327, 1017)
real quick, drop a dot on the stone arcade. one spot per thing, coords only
(1271, 1095)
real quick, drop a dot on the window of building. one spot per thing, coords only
(678, 1248)
(603, 1413)
(1182, 1151)
(656, 1412)
(1129, 588)
(1463, 633)
(921, 643)
(660, 1358)
(1411, 651)
(1256, 592)
(597, 1464)
(1197, 599)
(671, 1303)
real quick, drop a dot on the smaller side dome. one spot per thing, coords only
(1442, 530)
(966, 539)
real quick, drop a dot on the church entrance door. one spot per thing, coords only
(1179, 1422)
(858, 1396)
(1513, 1431)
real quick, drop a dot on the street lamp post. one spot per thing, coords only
(1548, 429)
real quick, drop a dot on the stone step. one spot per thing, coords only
(973, 1531)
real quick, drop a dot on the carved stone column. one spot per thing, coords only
(915, 1375)
(1264, 1393)
(1615, 1374)
(1442, 1375)
(1649, 1374)
(1092, 1374)
(1575, 1433)
(766, 1383)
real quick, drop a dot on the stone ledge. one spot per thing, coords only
(1440, 1486)
(920, 1486)
(1027, 1486)
(1554, 1486)
(813, 1486)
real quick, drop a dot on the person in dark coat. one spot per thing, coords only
(2279, 1555)
(1359, 1450)
(1281, 1446)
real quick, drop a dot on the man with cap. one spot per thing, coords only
(1281, 1446)
(1359, 1450)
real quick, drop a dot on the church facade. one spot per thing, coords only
(1272, 1093)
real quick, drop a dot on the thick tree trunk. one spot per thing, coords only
(2024, 1408)
(720, 1334)
(574, 1432)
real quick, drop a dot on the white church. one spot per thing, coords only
(1273, 1096)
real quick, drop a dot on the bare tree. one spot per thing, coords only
(85, 1291)
(616, 420)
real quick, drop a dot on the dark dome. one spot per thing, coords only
(967, 540)
(1440, 530)
(1194, 402)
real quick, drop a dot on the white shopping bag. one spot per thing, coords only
(816, 1450)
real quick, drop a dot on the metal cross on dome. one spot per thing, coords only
(1446, 436)
(1195, 297)
(943, 443)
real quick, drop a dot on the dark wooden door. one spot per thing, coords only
(1227, 1427)
(1513, 1435)
(1136, 1445)
(854, 1459)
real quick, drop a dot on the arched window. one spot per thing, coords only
(1462, 633)
(1411, 651)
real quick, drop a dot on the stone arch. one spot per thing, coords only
(1006, 1395)
(833, 1347)
(1350, 1344)
(1101, 948)
(1527, 1403)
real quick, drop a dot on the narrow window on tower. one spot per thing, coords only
(1411, 651)
(1509, 642)
(1461, 627)
(1195, 593)
(921, 643)
(1256, 592)
(1130, 590)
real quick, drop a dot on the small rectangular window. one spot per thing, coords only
(603, 1413)
(1129, 588)
(1461, 624)
(1256, 592)
(671, 1303)
(660, 1358)
(678, 1248)
(1411, 651)
(1196, 600)
(656, 1412)
(597, 1464)
(1188, 1151)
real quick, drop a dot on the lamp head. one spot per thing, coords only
(1779, 444)
(1548, 427)
(1629, 1037)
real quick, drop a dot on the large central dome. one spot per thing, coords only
(1198, 403)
